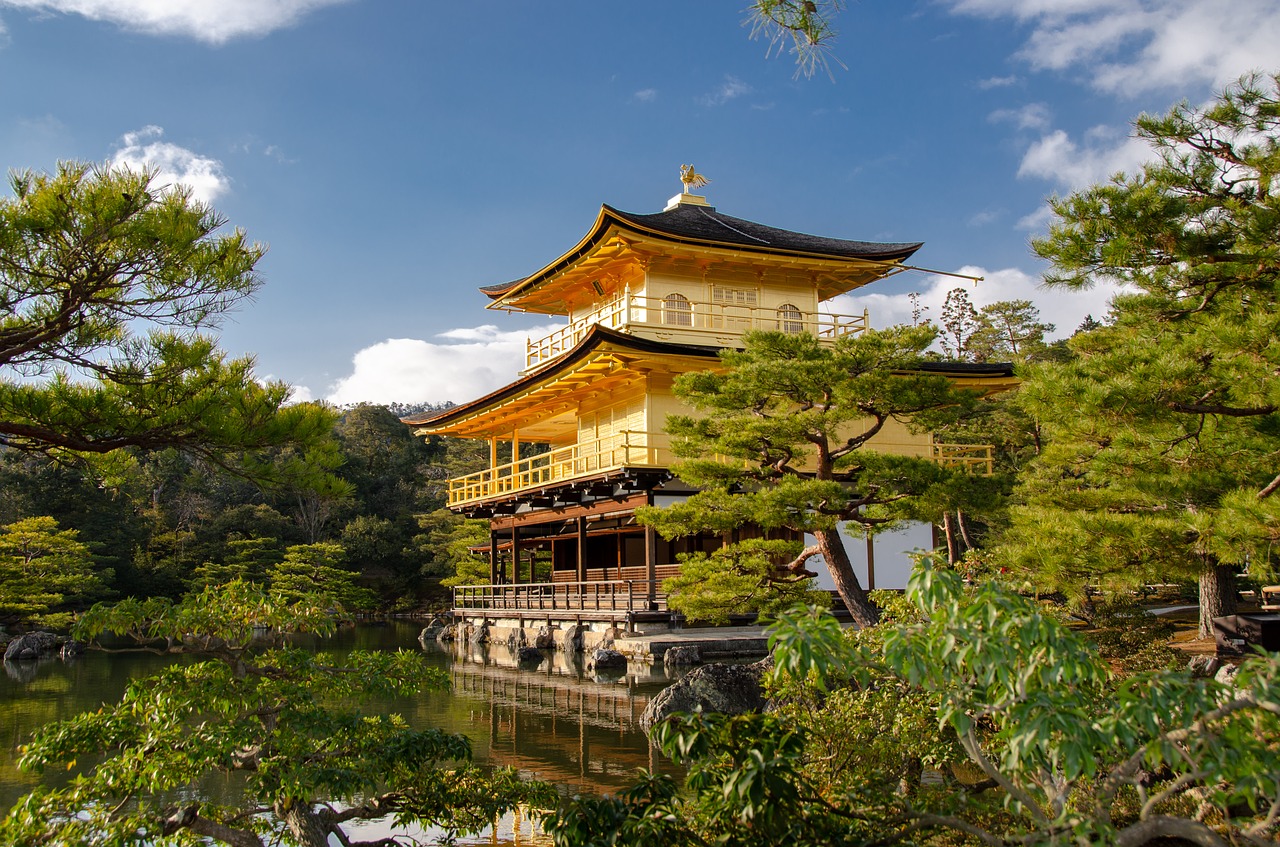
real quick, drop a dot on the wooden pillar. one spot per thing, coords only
(871, 562)
(493, 556)
(515, 446)
(493, 452)
(651, 564)
(515, 553)
(582, 548)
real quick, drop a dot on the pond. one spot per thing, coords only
(558, 723)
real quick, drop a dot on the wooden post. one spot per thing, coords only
(582, 548)
(651, 565)
(871, 563)
(493, 556)
(515, 554)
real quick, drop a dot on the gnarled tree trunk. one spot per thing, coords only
(855, 598)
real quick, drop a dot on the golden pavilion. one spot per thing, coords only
(645, 298)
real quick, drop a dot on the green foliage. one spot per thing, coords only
(312, 568)
(88, 254)
(783, 441)
(750, 577)
(1161, 455)
(449, 537)
(977, 717)
(287, 721)
(806, 24)
(45, 573)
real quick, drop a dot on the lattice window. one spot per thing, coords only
(676, 310)
(790, 319)
(724, 296)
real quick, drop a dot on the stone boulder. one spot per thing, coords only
(546, 638)
(478, 634)
(676, 657)
(432, 631)
(1204, 666)
(516, 640)
(29, 647)
(727, 689)
(607, 660)
(571, 638)
(1227, 674)
(71, 648)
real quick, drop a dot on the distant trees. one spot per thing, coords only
(46, 573)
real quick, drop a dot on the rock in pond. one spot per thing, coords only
(605, 660)
(29, 647)
(728, 689)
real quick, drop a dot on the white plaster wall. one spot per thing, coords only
(892, 549)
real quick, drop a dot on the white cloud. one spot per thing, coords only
(997, 82)
(1030, 116)
(983, 218)
(1068, 164)
(646, 95)
(470, 363)
(174, 164)
(1133, 46)
(211, 21)
(730, 89)
(1063, 308)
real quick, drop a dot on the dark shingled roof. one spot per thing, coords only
(703, 225)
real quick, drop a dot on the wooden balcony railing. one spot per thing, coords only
(627, 449)
(690, 318)
(630, 595)
(974, 458)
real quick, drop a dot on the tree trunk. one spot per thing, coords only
(855, 599)
(949, 530)
(1217, 594)
(964, 530)
(305, 825)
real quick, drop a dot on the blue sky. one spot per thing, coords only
(396, 155)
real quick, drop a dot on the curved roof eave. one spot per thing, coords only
(595, 336)
(682, 225)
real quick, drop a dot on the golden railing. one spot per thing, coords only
(692, 317)
(624, 449)
(974, 458)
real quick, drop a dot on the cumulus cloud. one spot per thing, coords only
(174, 165)
(1065, 309)
(1101, 154)
(731, 89)
(211, 21)
(466, 363)
(1130, 47)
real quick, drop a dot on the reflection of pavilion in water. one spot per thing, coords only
(557, 722)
